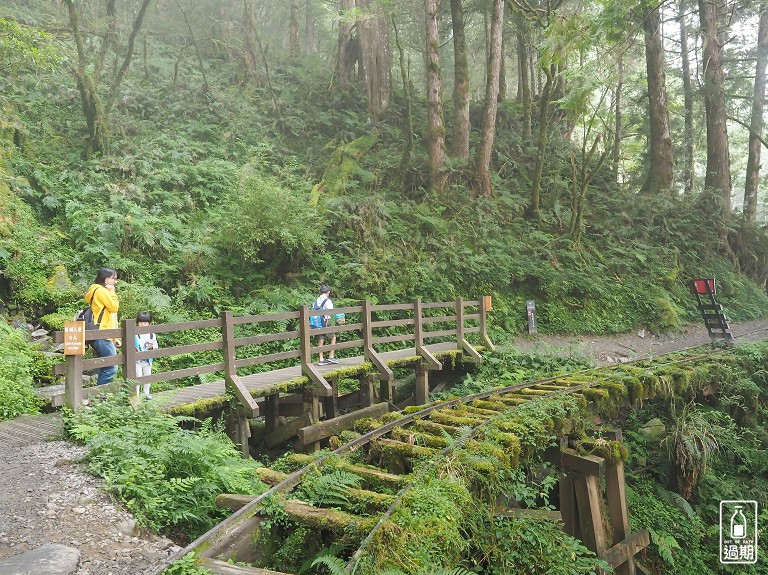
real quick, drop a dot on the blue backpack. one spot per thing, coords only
(318, 320)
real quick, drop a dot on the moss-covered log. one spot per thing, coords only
(360, 500)
(372, 478)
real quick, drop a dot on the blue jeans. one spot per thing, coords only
(105, 348)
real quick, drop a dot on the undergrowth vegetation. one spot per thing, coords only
(17, 369)
(685, 451)
(168, 476)
(237, 206)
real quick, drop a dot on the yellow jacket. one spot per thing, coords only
(105, 299)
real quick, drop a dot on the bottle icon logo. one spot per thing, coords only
(738, 524)
(738, 532)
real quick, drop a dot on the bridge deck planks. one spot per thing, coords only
(259, 384)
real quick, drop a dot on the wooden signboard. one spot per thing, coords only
(530, 307)
(74, 337)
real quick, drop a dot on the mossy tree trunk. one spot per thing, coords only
(373, 33)
(435, 122)
(534, 209)
(617, 119)
(756, 124)
(461, 125)
(687, 101)
(88, 73)
(294, 46)
(718, 175)
(659, 175)
(482, 174)
(523, 76)
(348, 52)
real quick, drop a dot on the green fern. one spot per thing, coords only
(332, 488)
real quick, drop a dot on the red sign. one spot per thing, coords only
(703, 286)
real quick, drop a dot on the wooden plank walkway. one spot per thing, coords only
(263, 383)
(29, 429)
(259, 384)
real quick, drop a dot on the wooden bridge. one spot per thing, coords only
(424, 335)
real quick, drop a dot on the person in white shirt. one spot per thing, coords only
(144, 342)
(324, 302)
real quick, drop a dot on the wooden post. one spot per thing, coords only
(588, 499)
(568, 510)
(367, 391)
(243, 431)
(228, 338)
(304, 338)
(485, 307)
(311, 407)
(460, 323)
(386, 390)
(331, 403)
(422, 385)
(271, 412)
(418, 336)
(73, 384)
(461, 341)
(129, 349)
(418, 326)
(615, 493)
(385, 373)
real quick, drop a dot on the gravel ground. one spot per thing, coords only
(46, 498)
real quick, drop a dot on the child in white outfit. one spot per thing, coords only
(144, 342)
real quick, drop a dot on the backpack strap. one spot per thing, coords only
(103, 308)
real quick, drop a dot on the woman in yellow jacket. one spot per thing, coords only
(104, 305)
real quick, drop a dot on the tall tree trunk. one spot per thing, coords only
(405, 161)
(250, 44)
(503, 88)
(346, 56)
(488, 137)
(659, 136)
(373, 33)
(198, 53)
(718, 159)
(88, 74)
(756, 124)
(534, 210)
(309, 27)
(435, 123)
(687, 102)
(460, 142)
(524, 78)
(293, 30)
(617, 119)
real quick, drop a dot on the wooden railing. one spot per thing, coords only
(362, 330)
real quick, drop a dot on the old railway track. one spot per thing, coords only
(392, 453)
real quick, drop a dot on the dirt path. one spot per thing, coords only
(44, 498)
(616, 348)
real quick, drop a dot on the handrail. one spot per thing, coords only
(408, 326)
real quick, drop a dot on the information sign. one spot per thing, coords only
(74, 337)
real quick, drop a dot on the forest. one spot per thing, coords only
(233, 155)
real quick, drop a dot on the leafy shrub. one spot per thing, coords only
(17, 394)
(528, 546)
(676, 532)
(168, 477)
(267, 225)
